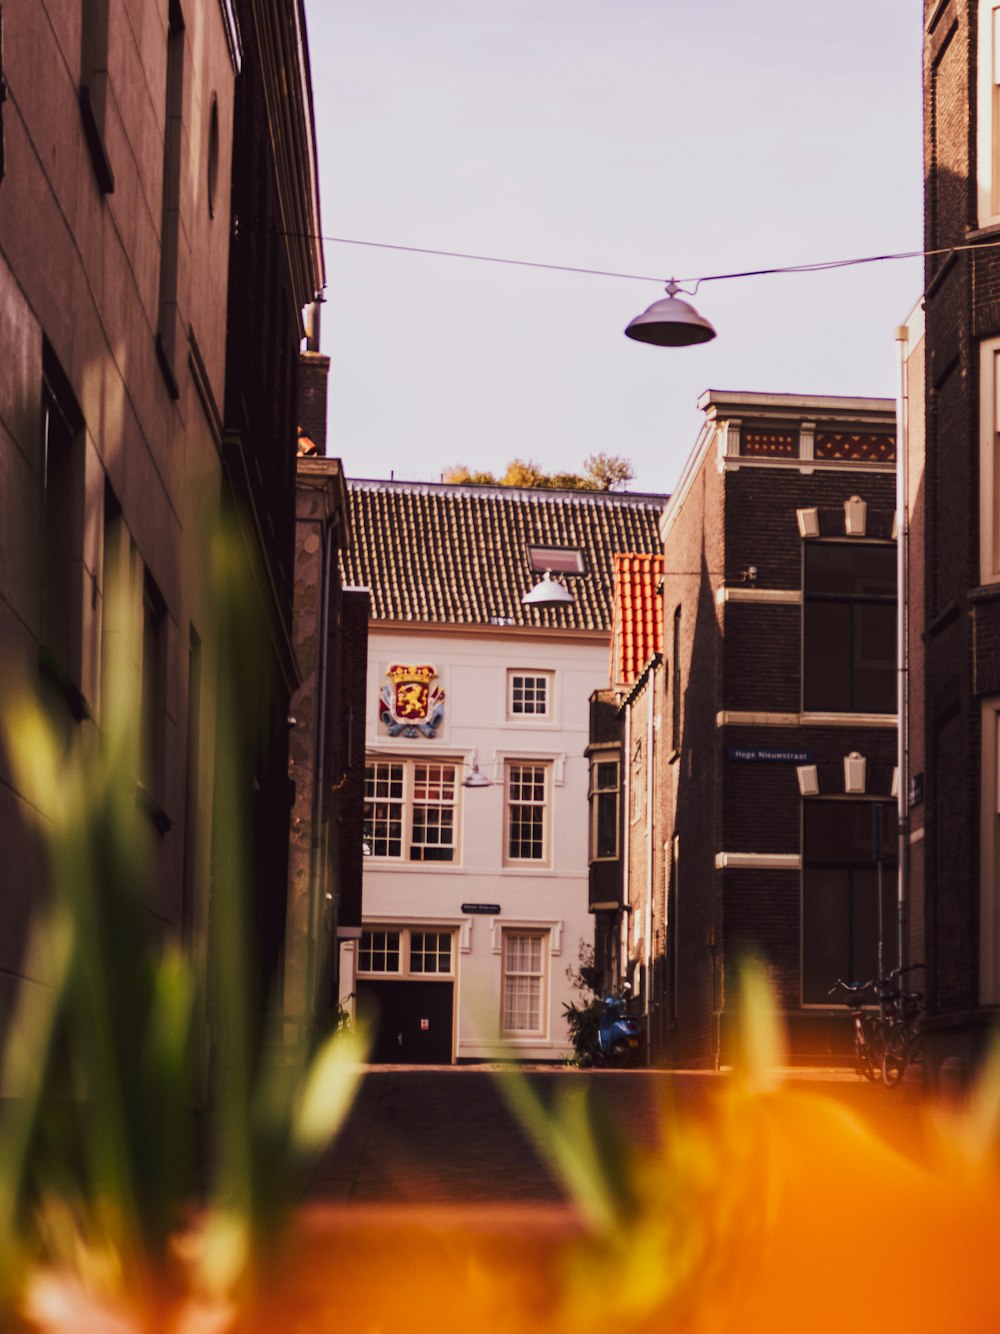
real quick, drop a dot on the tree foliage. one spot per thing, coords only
(601, 472)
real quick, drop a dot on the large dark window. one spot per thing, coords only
(849, 628)
(604, 801)
(848, 848)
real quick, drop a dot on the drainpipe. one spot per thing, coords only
(647, 932)
(626, 846)
(902, 641)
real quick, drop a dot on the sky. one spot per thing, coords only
(646, 137)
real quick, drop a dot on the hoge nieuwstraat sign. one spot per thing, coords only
(769, 755)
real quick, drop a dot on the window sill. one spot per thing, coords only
(418, 868)
(526, 869)
(51, 668)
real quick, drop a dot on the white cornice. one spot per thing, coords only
(762, 861)
(749, 718)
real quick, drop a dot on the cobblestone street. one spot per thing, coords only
(447, 1134)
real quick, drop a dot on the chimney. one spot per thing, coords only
(314, 374)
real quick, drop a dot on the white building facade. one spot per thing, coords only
(476, 893)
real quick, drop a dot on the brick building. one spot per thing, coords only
(625, 853)
(955, 846)
(771, 826)
(156, 181)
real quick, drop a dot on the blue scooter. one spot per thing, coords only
(617, 1032)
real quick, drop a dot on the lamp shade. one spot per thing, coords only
(477, 778)
(670, 322)
(548, 592)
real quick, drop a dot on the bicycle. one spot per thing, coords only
(902, 1027)
(868, 1039)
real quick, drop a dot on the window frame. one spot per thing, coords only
(852, 867)
(546, 768)
(404, 949)
(543, 975)
(988, 113)
(595, 791)
(989, 461)
(538, 675)
(852, 602)
(409, 804)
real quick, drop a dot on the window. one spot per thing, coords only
(529, 695)
(989, 461)
(988, 113)
(170, 330)
(523, 982)
(527, 812)
(379, 952)
(406, 952)
(559, 560)
(848, 847)
(849, 628)
(152, 692)
(94, 92)
(430, 951)
(410, 812)
(604, 798)
(675, 685)
(63, 608)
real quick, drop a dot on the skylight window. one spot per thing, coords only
(560, 560)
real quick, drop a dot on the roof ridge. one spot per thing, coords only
(539, 494)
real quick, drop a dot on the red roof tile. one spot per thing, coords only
(638, 615)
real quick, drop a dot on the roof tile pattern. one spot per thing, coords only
(638, 624)
(459, 554)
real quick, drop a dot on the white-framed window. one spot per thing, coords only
(989, 461)
(400, 951)
(379, 952)
(529, 695)
(411, 811)
(527, 785)
(524, 983)
(605, 798)
(988, 114)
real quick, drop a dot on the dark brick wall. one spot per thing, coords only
(762, 657)
(349, 814)
(962, 635)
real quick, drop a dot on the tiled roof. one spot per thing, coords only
(638, 623)
(459, 554)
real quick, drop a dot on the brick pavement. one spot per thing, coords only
(446, 1134)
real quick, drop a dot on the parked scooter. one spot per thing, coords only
(617, 1041)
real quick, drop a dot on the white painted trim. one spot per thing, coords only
(783, 596)
(498, 925)
(809, 466)
(987, 77)
(406, 922)
(761, 861)
(747, 718)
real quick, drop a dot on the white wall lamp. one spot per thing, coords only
(477, 778)
(808, 776)
(548, 592)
